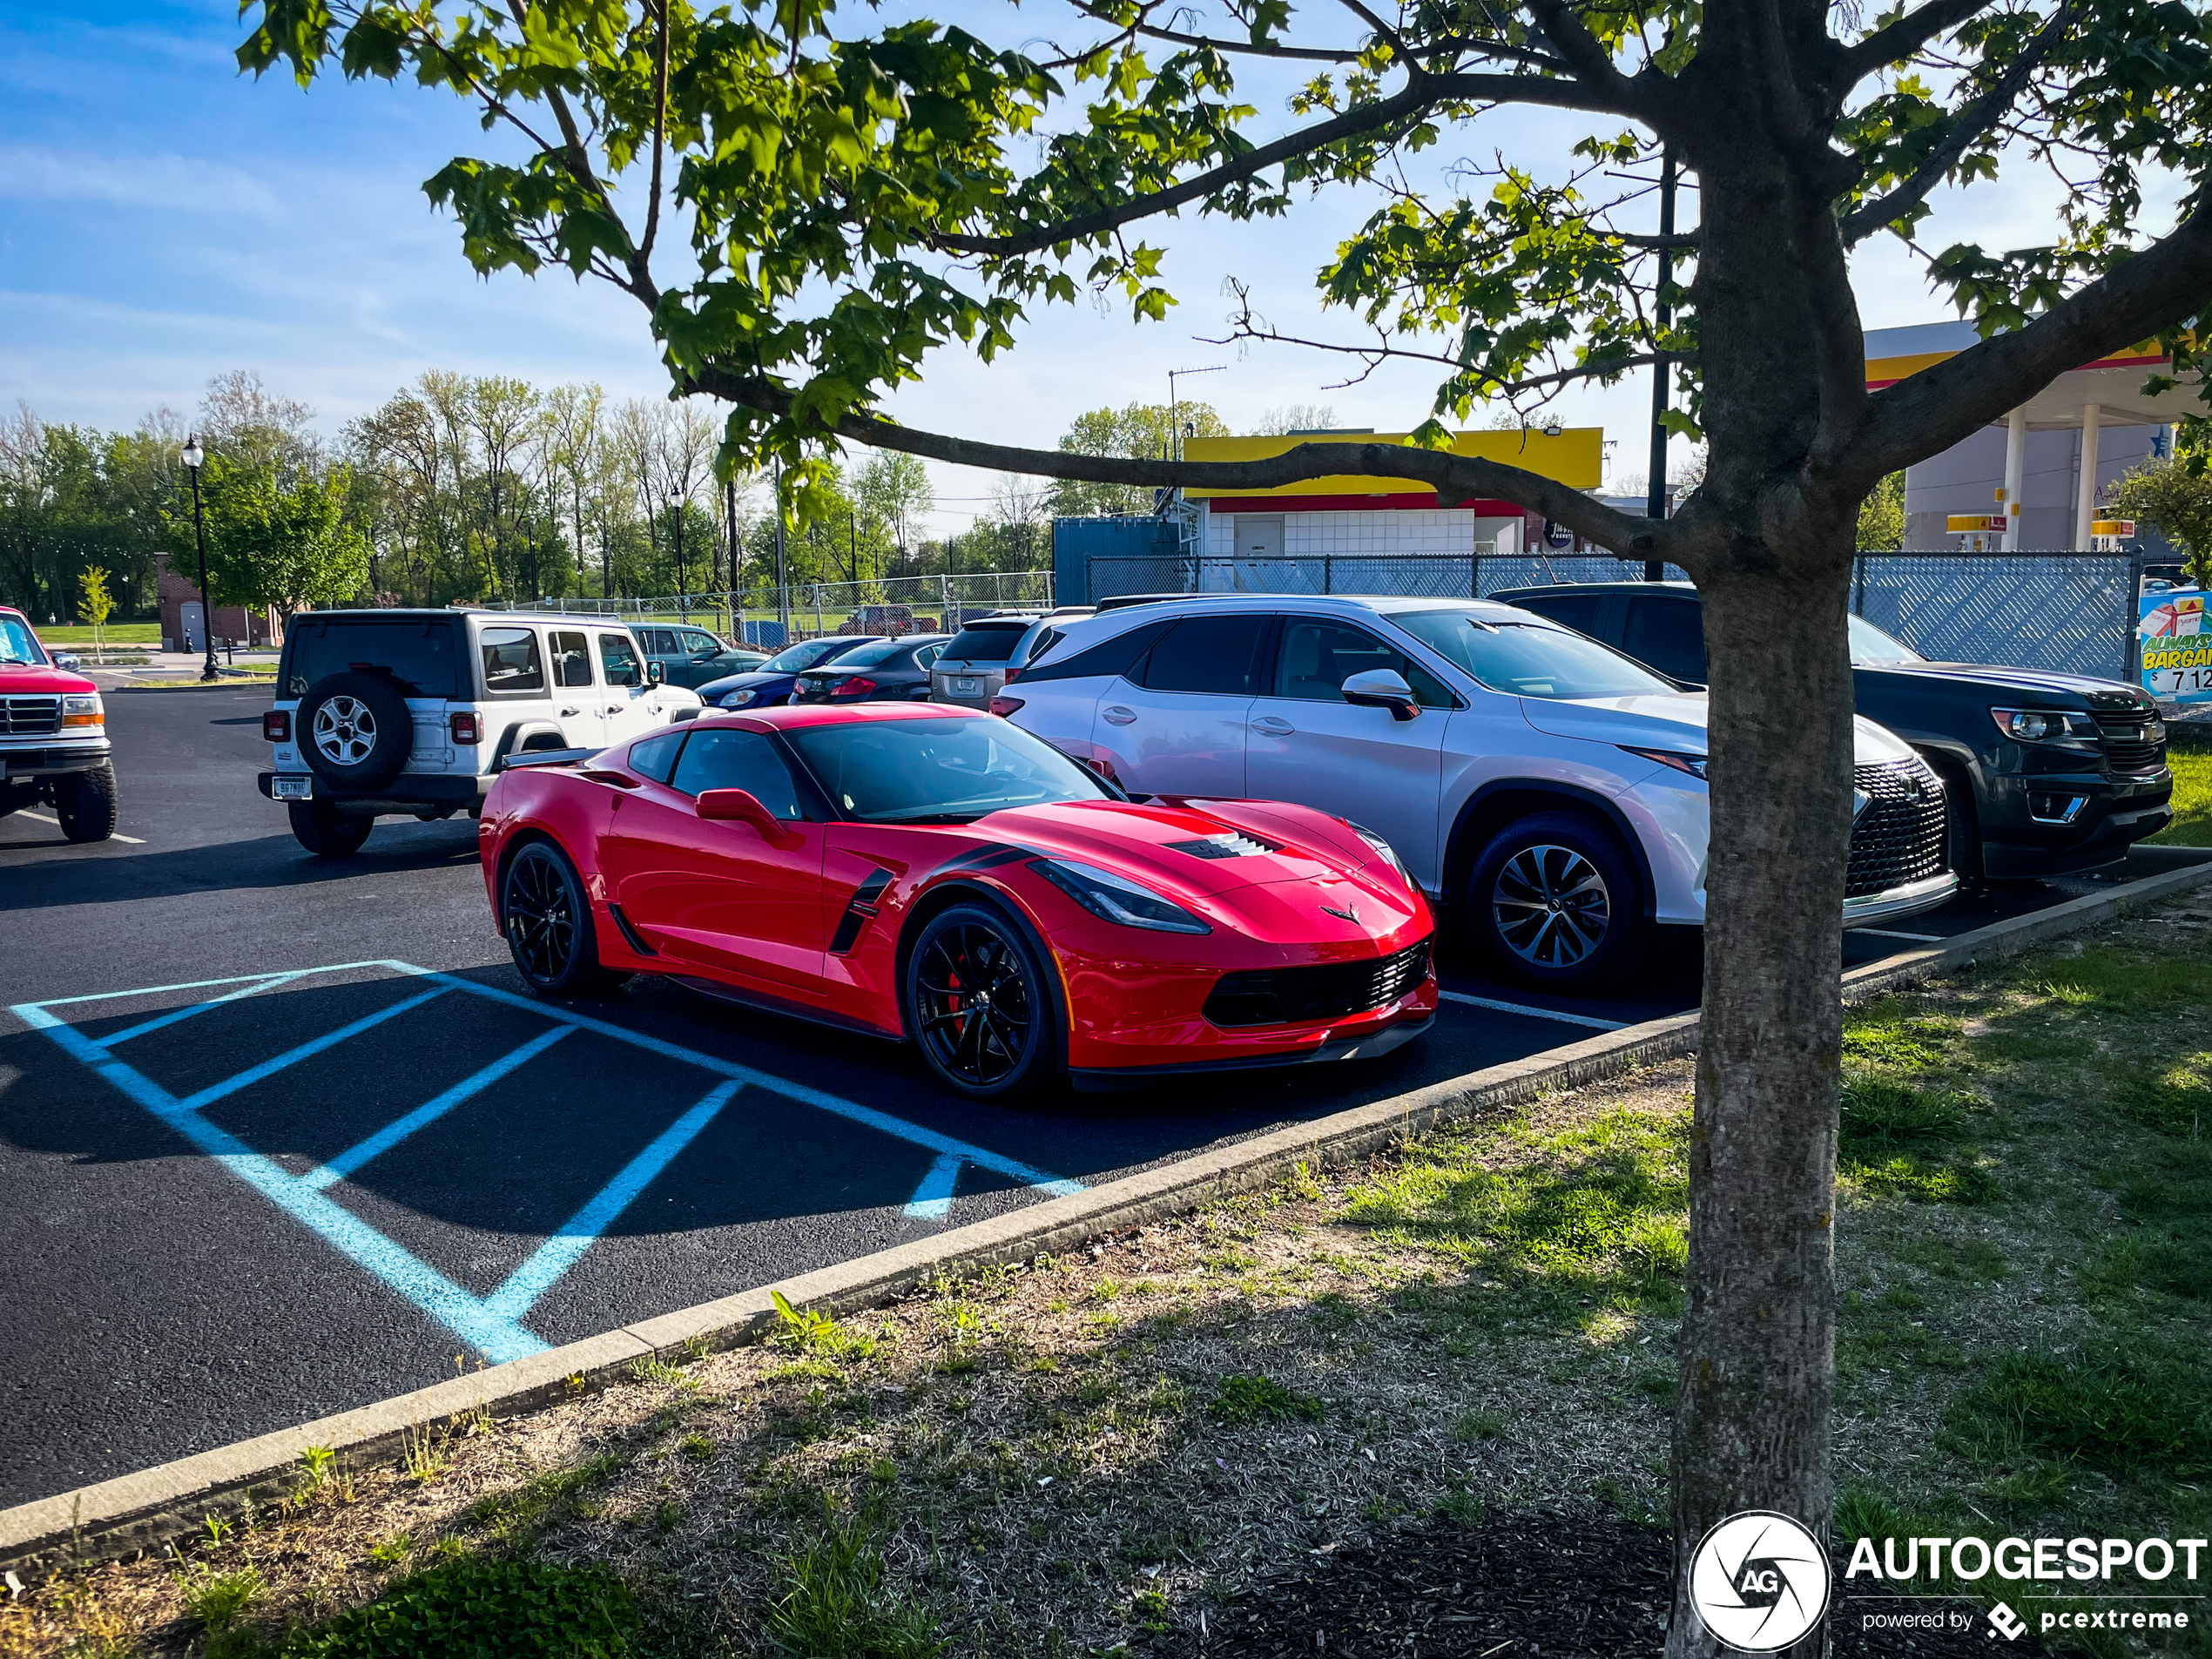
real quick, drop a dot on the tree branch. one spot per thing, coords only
(1901, 39)
(1377, 354)
(1458, 477)
(660, 129)
(1587, 56)
(1422, 91)
(578, 157)
(1313, 54)
(1384, 32)
(1928, 412)
(1971, 124)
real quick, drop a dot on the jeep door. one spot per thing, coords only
(579, 700)
(628, 705)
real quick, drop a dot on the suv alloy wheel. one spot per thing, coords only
(1554, 901)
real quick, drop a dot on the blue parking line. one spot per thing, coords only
(393, 1133)
(933, 1199)
(269, 982)
(580, 1232)
(253, 1075)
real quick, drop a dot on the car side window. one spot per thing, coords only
(1316, 658)
(1207, 654)
(721, 758)
(655, 757)
(511, 661)
(619, 657)
(1667, 635)
(571, 659)
(928, 655)
(1583, 612)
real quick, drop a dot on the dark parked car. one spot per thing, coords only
(894, 670)
(692, 657)
(2048, 772)
(771, 683)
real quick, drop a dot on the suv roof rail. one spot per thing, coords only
(1121, 600)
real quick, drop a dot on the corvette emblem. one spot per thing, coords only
(1350, 913)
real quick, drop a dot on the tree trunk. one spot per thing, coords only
(1757, 1360)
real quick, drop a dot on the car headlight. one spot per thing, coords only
(1679, 759)
(1388, 851)
(739, 698)
(1117, 898)
(2043, 725)
(83, 708)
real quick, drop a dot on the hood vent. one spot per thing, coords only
(1232, 844)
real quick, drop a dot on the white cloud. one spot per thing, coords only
(180, 183)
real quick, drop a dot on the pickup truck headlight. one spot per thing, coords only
(82, 709)
(2044, 725)
(1117, 898)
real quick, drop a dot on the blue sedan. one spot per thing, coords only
(771, 683)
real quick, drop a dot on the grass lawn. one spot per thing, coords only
(2189, 754)
(116, 633)
(1397, 1367)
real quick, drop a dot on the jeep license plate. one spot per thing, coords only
(292, 788)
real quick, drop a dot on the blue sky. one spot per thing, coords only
(164, 219)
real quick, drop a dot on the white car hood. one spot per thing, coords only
(1672, 720)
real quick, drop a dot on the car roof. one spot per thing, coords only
(796, 715)
(1550, 590)
(1013, 621)
(422, 613)
(1382, 604)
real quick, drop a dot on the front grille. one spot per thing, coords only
(30, 716)
(2128, 746)
(1899, 838)
(1333, 991)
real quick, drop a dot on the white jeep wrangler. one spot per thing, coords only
(414, 712)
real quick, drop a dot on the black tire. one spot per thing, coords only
(85, 802)
(981, 1005)
(326, 831)
(1555, 902)
(1961, 827)
(547, 920)
(355, 729)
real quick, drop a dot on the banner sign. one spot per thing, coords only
(2176, 645)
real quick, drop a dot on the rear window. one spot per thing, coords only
(982, 645)
(422, 653)
(873, 656)
(511, 661)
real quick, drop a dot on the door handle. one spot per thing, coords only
(614, 708)
(1273, 725)
(1119, 716)
(570, 714)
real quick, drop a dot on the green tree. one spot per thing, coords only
(276, 540)
(2175, 495)
(96, 604)
(893, 493)
(1136, 431)
(1881, 516)
(849, 201)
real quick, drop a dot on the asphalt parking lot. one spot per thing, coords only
(279, 1136)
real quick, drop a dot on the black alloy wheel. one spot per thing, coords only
(980, 1005)
(548, 924)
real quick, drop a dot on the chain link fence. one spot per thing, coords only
(769, 617)
(2073, 612)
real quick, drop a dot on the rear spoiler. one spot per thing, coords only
(546, 758)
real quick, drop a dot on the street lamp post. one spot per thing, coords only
(195, 457)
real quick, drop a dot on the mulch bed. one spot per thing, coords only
(1567, 1586)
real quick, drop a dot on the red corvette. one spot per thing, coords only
(934, 873)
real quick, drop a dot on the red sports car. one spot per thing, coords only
(935, 874)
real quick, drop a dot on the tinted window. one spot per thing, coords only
(902, 771)
(1524, 659)
(984, 644)
(511, 660)
(571, 659)
(619, 657)
(795, 657)
(1211, 654)
(724, 760)
(873, 656)
(1670, 634)
(1583, 612)
(655, 757)
(1110, 656)
(1315, 659)
(420, 654)
(926, 655)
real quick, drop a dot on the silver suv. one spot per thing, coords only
(383, 712)
(989, 651)
(1547, 788)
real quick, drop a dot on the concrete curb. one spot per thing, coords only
(137, 1511)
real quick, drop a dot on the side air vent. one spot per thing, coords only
(1233, 845)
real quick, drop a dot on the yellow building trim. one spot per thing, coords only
(1576, 458)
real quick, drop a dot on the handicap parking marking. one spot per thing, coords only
(492, 1323)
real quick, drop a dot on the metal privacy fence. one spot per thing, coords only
(770, 616)
(2073, 612)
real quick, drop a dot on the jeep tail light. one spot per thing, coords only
(1003, 706)
(276, 726)
(854, 686)
(466, 727)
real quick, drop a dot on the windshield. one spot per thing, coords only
(18, 645)
(942, 770)
(985, 644)
(1525, 660)
(792, 658)
(1870, 644)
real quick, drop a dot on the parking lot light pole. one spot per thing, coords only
(193, 458)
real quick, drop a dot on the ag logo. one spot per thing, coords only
(1759, 1580)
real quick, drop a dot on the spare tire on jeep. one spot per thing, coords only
(355, 729)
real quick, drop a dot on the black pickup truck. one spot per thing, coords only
(2060, 772)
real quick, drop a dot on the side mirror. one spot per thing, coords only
(656, 672)
(1382, 688)
(743, 806)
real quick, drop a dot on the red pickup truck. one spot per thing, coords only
(53, 736)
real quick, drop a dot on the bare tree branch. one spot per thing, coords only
(1898, 42)
(1377, 354)
(1384, 32)
(1979, 116)
(660, 126)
